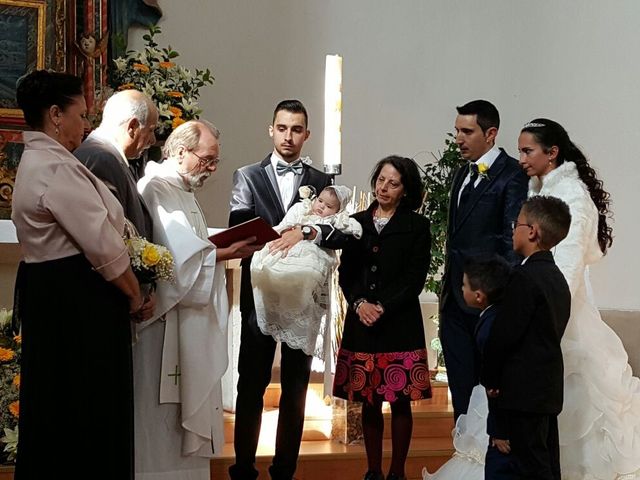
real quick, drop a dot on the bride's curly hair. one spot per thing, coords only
(548, 134)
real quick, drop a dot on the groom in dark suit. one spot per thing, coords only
(268, 189)
(486, 196)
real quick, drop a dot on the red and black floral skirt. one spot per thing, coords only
(374, 377)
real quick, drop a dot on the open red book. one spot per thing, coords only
(256, 227)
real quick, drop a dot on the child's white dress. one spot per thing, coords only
(291, 293)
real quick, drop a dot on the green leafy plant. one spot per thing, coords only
(437, 177)
(173, 88)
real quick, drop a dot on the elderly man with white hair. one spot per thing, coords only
(179, 362)
(126, 131)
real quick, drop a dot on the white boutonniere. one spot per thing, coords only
(483, 170)
(307, 192)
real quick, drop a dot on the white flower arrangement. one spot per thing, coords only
(173, 88)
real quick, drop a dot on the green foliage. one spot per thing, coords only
(437, 177)
(173, 88)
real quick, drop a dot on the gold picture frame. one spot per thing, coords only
(22, 47)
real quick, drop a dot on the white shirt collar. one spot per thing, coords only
(489, 157)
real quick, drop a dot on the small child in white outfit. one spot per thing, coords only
(291, 293)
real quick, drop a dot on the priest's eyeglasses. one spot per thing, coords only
(515, 224)
(206, 162)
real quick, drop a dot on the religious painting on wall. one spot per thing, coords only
(31, 37)
(22, 37)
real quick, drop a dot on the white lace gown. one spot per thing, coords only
(291, 293)
(600, 422)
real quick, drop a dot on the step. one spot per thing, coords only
(439, 391)
(320, 460)
(431, 418)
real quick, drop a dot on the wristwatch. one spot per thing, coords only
(306, 232)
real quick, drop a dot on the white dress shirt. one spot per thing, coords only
(488, 158)
(286, 182)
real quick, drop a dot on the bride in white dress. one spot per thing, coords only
(600, 422)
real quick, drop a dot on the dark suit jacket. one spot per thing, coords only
(389, 267)
(255, 194)
(106, 163)
(483, 225)
(522, 356)
(483, 327)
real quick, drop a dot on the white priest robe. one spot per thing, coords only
(181, 353)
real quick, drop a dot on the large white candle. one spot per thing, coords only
(333, 115)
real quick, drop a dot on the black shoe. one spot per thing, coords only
(393, 476)
(373, 476)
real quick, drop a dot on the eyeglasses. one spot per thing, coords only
(515, 224)
(206, 162)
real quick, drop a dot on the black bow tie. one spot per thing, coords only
(295, 167)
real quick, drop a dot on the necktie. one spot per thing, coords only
(469, 187)
(295, 167)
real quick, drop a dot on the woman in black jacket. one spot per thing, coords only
(383, 354)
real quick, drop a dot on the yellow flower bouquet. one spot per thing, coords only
(10, 349)
(150, 262)
(173, 88)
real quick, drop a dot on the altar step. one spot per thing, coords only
(326, 459)
(323, 458)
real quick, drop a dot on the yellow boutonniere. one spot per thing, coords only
(483, 170)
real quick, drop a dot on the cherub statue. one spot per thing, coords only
(90, 47)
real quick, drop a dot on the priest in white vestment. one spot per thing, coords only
(181, 353)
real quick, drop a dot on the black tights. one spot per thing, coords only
(373, 429)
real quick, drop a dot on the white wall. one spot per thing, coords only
(407, 64)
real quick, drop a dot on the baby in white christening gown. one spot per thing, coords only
(291, 293)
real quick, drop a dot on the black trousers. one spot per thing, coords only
(257, 352)
(534, 445)
(461, 354)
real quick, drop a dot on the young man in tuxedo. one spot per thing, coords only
(522, 366)
(486, 196)
(268, 189)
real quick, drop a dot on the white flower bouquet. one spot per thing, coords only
(173, 88)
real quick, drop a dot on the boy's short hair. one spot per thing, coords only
(489, 275)
(552, 216)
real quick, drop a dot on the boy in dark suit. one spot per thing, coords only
(483, 284)
(522, 367)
